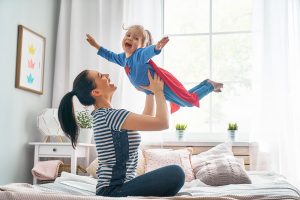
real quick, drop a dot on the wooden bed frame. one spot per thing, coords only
(239, 150)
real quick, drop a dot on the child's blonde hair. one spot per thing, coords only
(146, 35)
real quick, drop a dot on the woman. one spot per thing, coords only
(116, 138)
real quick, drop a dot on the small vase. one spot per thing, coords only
(180, 134)
(85, 135)
(231, 134)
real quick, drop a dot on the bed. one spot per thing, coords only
(265, 185)
(261, 185)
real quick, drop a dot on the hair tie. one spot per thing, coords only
(73, 92)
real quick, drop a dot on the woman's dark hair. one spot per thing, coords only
(82, 87)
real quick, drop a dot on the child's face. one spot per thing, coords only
(132, 41)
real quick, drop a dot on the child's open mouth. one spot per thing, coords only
(127, 45)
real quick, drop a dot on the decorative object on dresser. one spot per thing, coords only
(30, 60)
(67, 168)
(48, 124)
(84, 120)
(180, 129)
(61, 150)
(232, 129)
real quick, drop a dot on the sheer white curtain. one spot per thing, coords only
(103, 19)
(276, 126)
(148, 14)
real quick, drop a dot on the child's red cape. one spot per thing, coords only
(176, 87)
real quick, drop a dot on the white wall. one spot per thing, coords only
(19, 108)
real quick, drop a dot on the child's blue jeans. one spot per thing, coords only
(202, 89)
(162, 182)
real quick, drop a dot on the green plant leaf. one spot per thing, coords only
(232, 126)
(180, 126)
(84, 119)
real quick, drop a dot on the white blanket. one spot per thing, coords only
(73, 187)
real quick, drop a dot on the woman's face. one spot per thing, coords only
(132, 41)
(103, 84)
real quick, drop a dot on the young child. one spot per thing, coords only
(136, 60)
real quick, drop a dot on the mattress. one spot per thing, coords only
(266, 185)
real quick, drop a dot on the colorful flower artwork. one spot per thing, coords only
(30, 60)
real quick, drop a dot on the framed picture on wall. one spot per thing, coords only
(30, 60)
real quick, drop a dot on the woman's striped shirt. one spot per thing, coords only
(117, 149)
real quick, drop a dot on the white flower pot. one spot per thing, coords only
(180, 134)
(231, 134)
(85, 135)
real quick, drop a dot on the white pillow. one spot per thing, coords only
(222, 171)
(218, 166)
(221, 150)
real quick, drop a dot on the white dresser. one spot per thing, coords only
(61, 150)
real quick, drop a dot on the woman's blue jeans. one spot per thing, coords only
(162, 182)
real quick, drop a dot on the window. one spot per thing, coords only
(211, 39)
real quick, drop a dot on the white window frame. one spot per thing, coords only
(210, 34)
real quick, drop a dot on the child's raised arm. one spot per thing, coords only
(146, 53)
(108, 55)
(92, 41)
(160, 44)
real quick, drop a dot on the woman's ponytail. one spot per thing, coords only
(82, 87)
(67, 119)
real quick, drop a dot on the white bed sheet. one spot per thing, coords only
(263, 183)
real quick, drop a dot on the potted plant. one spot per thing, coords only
(180, 128)
(84, 120)
(232, 128)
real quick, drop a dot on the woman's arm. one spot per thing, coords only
(149, 105)
(160, 120)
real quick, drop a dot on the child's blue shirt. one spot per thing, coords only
(136, 67)
(137, 63)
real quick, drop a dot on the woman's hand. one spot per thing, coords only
(92, 41)
(161, 43)
(150, 121)
(156, 84)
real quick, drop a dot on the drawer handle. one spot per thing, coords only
(54, 149)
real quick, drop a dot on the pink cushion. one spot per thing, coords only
(157, 158)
